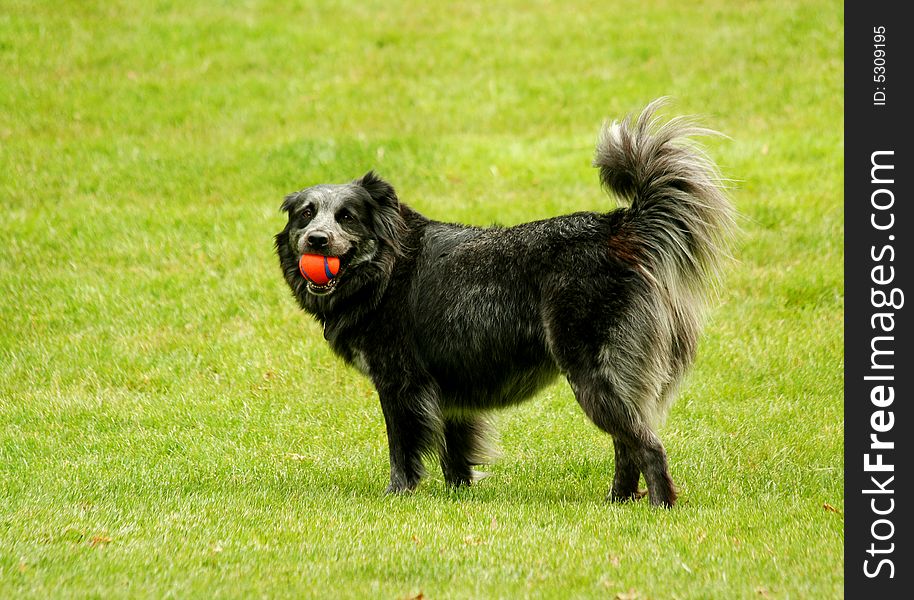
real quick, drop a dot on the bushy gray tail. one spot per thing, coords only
(677, 231)
(679, 216)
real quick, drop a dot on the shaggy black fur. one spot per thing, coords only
(450, 321)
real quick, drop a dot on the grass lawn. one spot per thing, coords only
(172, 426)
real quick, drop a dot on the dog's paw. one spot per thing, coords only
(465, 480)
(628, 497)
(399, 489)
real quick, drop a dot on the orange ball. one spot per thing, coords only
(319, 269)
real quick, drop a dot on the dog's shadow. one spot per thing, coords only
(580, 483)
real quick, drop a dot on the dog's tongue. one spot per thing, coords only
(319, 269)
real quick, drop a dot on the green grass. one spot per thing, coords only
(171, 425)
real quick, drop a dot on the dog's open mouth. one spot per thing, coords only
(322, 272)
(322, 290)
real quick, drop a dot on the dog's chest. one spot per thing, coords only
(352, 355)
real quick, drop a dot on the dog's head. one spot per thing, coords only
(358, 222)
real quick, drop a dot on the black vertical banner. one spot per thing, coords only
(878, 266)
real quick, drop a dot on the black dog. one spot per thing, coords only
(450, 321)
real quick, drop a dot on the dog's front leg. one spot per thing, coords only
(414, 428)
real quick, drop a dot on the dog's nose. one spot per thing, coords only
(318, 239)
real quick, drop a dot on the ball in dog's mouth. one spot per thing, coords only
(320, 271)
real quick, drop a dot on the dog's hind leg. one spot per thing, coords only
(625, 480)
(617, 359)
(637, 447)
(650, 455)
(465, 446)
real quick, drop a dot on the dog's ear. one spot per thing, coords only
(386, 220)
(380, 191)
(288, 202)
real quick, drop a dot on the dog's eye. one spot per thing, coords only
(346, 217)
(307, 213)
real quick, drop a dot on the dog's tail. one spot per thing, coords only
(679, 223)
(676, 231)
